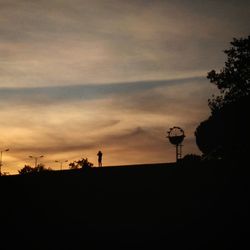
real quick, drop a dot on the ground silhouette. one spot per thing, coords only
(185, 205)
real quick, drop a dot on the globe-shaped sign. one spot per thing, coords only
(176, 135)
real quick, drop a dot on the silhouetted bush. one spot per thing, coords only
(225, 134)
(38, 169)
(26, 169)
(191, 158)
(83, 163)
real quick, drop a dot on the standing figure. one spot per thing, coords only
(99, 154)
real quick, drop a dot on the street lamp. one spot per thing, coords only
(61, 163)
(1, 159)
(36, 158)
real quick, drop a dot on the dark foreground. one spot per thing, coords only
(201, 206)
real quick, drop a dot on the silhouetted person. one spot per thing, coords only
(99, 154)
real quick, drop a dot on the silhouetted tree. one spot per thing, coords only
(25, 170)
(233, 81)
(83, 163)
(226, 132)
(73, 165)
(28, 169)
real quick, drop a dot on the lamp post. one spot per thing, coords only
(61, 163)
(36, 158)
(1, 159)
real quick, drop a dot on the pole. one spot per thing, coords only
(36, 158)
(177, 153)
(1, 159)
(61, 163)
(1, 163)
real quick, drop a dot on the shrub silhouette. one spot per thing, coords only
(191, 158)
(28, 169)
(83, 163)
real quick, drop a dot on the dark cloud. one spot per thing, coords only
(63, 148)
(64, 94)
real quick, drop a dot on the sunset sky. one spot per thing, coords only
(83, 75)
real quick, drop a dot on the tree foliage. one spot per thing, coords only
(226, 132)
(28, 169)
(82, 163)
(233, 81)
(25, 170)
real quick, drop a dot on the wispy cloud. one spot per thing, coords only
(64, 43)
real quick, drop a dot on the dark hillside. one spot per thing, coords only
(192, 207)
